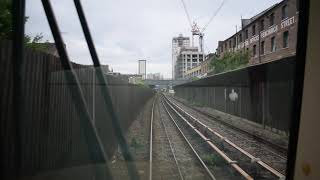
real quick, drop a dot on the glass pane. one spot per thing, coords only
(165, 90)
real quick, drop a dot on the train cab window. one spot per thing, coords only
(166, 90)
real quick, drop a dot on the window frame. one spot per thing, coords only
(262, 24)
(284, 12)
(246, 34)
(254, 50)
(262, 48)
(253, 30)
(273, 44)
(285, 39)
(271, 19)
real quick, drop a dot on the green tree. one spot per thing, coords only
(5, 19)
(36, 42)
(230, 61)
(6, 27)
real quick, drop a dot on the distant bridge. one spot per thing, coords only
(152, 82)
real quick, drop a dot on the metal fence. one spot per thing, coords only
(53, 136)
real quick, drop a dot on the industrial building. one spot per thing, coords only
(268, 36)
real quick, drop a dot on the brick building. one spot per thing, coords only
(268, 36)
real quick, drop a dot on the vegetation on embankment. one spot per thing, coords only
(229, 61)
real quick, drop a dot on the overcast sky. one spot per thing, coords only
(125, 31)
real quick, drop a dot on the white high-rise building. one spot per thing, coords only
(178, 43)
(142, 68)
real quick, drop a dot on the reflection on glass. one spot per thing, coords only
(161, 103)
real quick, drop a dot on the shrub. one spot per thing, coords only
(230, 61)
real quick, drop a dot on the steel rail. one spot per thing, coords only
(231, 162)
(151, 140)
(192, 148)
(171, 147)
(253, 158)
(279, 148)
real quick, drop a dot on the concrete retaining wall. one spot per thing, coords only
(264, 92)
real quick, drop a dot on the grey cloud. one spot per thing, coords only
(127, 30)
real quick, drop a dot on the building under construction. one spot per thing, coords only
(177, 44)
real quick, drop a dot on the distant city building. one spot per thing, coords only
(114, 73)
(268, 36)
(142, 68)
(154, 76)
(133, 78)
(189, 57)
(177, 44)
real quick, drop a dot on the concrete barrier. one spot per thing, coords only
(261, 93)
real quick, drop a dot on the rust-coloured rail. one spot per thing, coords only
(231, 162)
(254, 159)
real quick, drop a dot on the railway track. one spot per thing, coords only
(163, 159)
(251, 164)
(257, 147)
(278, 148)
(201, 146)
(170, 156)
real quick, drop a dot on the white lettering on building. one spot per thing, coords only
(263, 34)
(254, 39)
(246, 43)
(287, 22)
(269, 31)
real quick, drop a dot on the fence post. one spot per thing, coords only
(240, 103)
(263, 105)
(225, 100)
(93, 96)
(214, 97)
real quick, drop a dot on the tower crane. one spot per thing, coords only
(195, 30)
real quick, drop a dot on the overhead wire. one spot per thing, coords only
(186, 11)
(214, 15)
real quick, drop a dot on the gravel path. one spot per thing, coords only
(138, 139)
